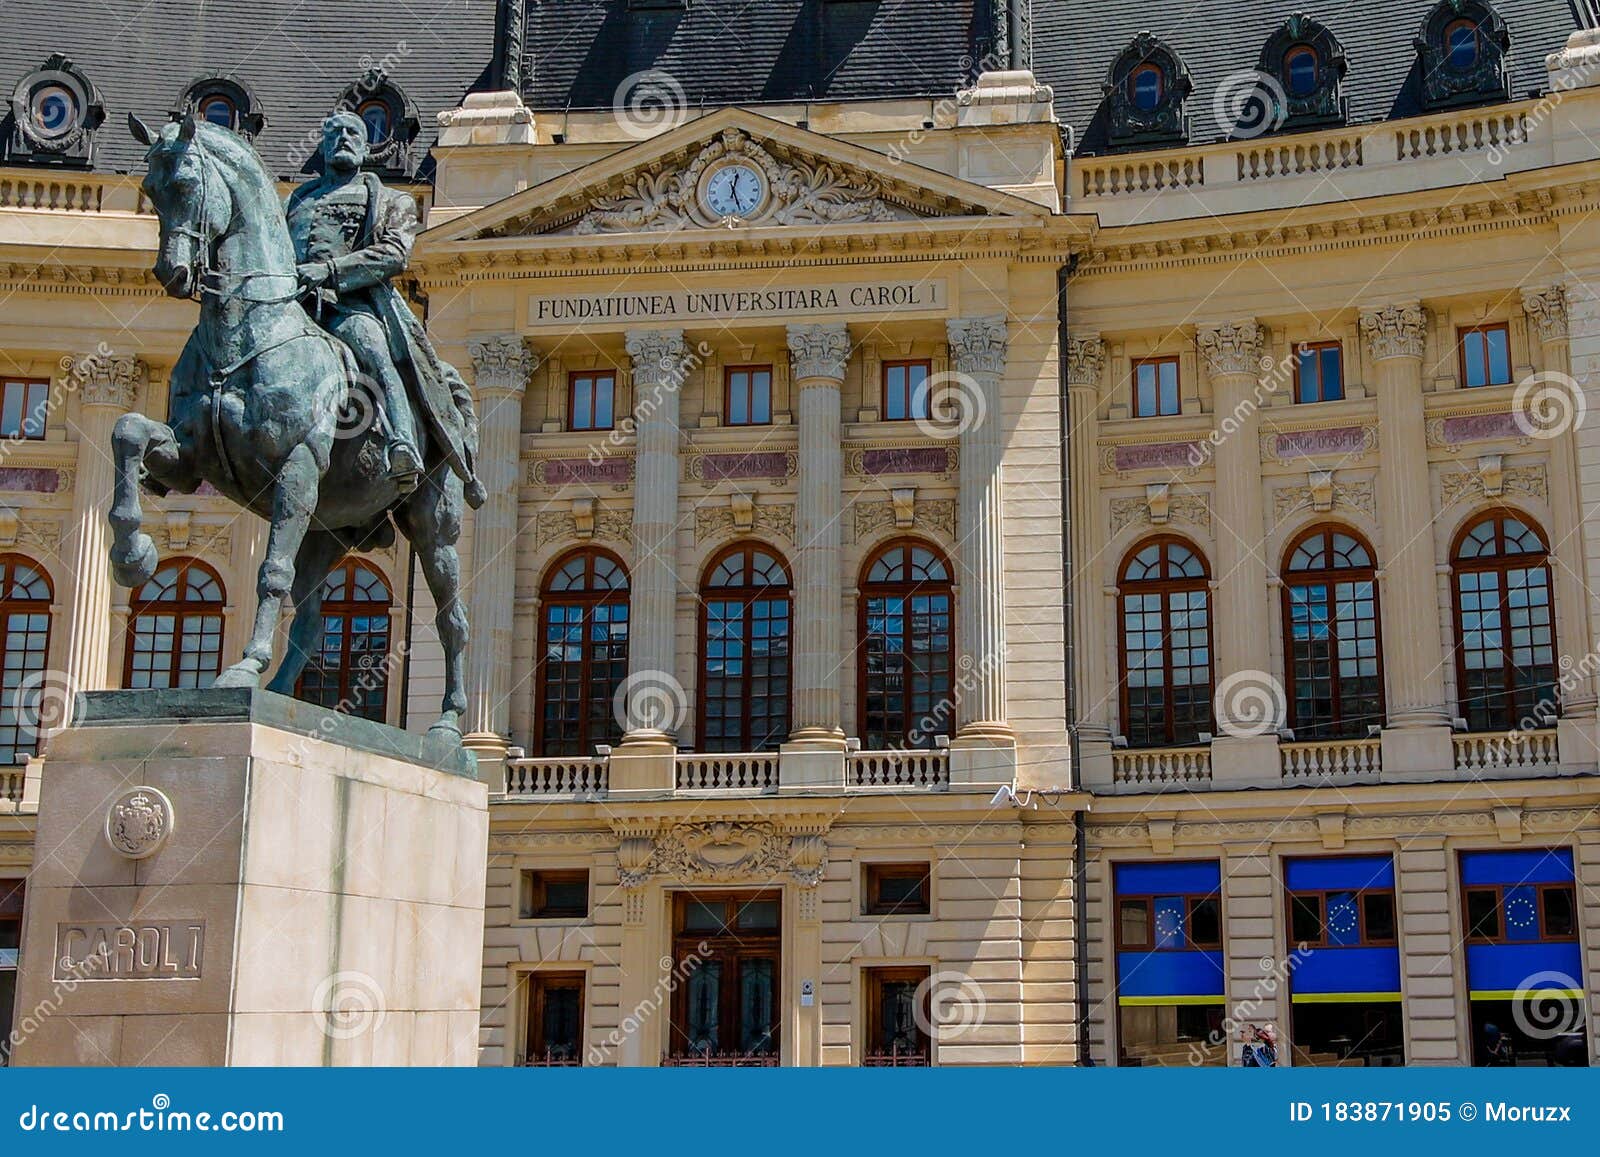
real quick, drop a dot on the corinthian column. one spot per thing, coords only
(1552, 411)
(1417, 738)
(107, 389)
(819, 353)
(502, 366)
(655, 704)
(1249, 700)
(1086, 360)
(978, 358)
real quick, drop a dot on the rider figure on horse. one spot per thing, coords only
(351, 237)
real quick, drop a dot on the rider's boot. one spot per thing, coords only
(405, 464)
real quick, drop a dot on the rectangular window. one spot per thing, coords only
(895, 890)
(1521, 913)
(1319, 372)
(555, 1020)
(1155, 388)
(1177, 923)
(591, 397)
(747, 396)
(22, 410)
(898, 1007)
(10, 942)
(1483, 913)
(727, 949)
(906, 396)
(555, 895)
(1485, 355)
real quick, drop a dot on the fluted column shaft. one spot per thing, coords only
(1551, 411)
(502, 367)
(978, 359)
(1085, 363)
(655, 699)
(820, 353)
(107, 388)
(1232, 353)
(1413, 652)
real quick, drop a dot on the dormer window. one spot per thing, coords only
(1463, 50)
(376, 116)
(1145, 93)
(1146, 87)
(223, 102)
(54, 114)
(1300, 70)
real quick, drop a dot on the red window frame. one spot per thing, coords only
(32, 397)
(208, 613)
(1465, 332)
(357, 681)
(589, 420)
(747, 379)
(901, 401)
(597, 723)
(1156, 365)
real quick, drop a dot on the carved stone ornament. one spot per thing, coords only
(1234, 347)
(801, 191)
(1472, 485)
(719, 521)
(977, 344)
(936, 516)
(660, 357)
(139, 822)
(1191, 509)
(1394, 331)
(1323, 495)
(1547, 311)
(109, 379)
(720, 851)
(502, 364)
(819, 351)
(1086, 360)
(604, 522)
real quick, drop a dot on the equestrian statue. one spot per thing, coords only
(308, 392)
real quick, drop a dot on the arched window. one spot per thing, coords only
(1505, 645)
(1147, 84)
(24, 647)
(744, 648)
(175, 628)
(1461, 44)
(1300, 70)
(1331, 641)
(906, 652)
(350, 671)
(1164, 628)
(583, 657)
(224, 102)
(378, 118)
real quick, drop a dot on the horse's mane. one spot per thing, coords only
(239, 153)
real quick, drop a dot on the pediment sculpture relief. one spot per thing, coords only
(734, 182)
(721, 851)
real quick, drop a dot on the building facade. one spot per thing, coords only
(1015, 536)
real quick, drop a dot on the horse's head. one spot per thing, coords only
(194, 205)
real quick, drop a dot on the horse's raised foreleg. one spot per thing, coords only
(137, 443)
(431, 519)
(294, 498)
(320, 550)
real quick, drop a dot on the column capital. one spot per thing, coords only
(1397, 330)
(502, 364)
(819, 351)
(659, 356)
(1231, 347)
(1086, 359)
(977, 344)
(108, 379)
(1547, 310)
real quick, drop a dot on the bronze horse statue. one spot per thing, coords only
(260, 407)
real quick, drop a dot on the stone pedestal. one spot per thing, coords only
(236, 878)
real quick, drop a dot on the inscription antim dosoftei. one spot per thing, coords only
(151, 950)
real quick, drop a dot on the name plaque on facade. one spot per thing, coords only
(147, 950)
(685, 306)
(1341, 440)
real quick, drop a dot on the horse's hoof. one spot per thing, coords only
(446, 729)
(242, 674)
(134, 564)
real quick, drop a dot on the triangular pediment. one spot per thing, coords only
(666, 185)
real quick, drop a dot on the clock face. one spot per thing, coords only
(734, 191)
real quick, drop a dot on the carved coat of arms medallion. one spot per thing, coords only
(139, 822)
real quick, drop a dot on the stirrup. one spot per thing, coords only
(404, 466)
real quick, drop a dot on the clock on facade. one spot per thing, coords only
(735, 191)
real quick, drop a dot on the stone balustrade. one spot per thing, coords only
(1536, 752)
(1331, 761)
(744, 773)
(563, 776)
(1161, 768)
(922, 770)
